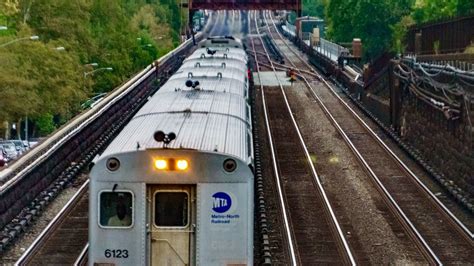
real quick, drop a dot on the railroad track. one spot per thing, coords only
(64, 240)
(311, 238)
(442, 236)
(257, 55)
(270, 247)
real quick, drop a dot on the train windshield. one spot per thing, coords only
(220, 41)
(116, 209)
(171, 209)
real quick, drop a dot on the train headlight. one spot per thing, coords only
(182, 164)
(161, 164)
(171, 164)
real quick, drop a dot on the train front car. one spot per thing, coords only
(176, 187)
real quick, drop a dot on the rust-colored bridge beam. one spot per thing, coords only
(246, 5)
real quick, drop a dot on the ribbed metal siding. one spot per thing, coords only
(211, 72)
(212, 118)
(213, 84)
(217, 55)
(215, 62)
(200, 131)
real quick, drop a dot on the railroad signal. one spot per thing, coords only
(192, 83)
(160, 136)
(291, 73)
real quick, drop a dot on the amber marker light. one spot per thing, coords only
(161, 164)
(182, 164)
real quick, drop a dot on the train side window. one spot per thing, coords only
(171, 209)
(116, 209)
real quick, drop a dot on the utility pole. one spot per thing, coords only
(26, 131)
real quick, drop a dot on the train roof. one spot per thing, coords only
(218, 63)
(228, 37)
(210, 72)
(225, 85)
(213, 117)
(221, 50)
(192, 101)
(221, 41)
(233, 53)
(201, 120)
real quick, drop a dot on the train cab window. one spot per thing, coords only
(171, 209)
(116, 209)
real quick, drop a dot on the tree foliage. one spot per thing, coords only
(429, 10)
(382, 24)
(45, 123)
(38, 81)
(314, 8)
(370, 20)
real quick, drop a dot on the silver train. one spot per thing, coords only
(221, 42)
(176, 186)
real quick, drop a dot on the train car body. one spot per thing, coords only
(189, 201)
(221, 42)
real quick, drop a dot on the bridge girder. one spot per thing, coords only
(246, 5)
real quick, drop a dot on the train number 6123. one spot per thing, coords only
(116, 253)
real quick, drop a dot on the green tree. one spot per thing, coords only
(314, 8)
(465, 7)
(44, 79)
(18, 96)
(429, 10)
(45, 124)
(38, 81)
(400, 30)
(370, 20)
(152, 28)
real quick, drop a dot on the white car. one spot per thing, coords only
(3, 159)
(9, 150)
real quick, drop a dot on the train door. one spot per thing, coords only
(172, 215)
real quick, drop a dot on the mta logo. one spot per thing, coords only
(221, 202)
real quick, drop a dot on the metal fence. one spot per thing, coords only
(290, 27)
(451, 36)
(463, 62)
(330, 50)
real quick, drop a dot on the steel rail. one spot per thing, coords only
(52, 226)
(438, 205)
(82, 258)
(405, 221)
(275, 164)
(425, 248)
(219, 21)
(311, 164)
(215, 20)
(459, 225)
